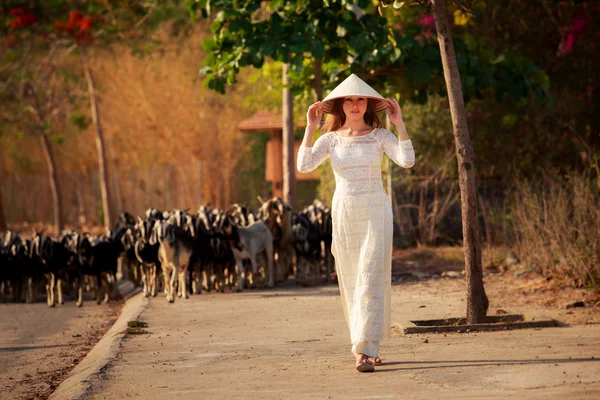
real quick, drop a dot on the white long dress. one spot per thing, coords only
(362, 225)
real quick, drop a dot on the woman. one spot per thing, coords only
(361, 212)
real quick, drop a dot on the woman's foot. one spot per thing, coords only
(364, 363)
(376, 360)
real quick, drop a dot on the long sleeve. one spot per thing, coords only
(310, 158)
(400, 151)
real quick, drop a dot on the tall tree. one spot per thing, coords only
(40, 91)
(36, 87)
(79, 26)
(477, 301)
(289, 174)
(2, 218)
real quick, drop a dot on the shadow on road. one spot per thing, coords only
(477, 363)
(24, 348)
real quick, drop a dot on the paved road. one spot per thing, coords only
(293, 343)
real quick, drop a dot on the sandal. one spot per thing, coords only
(364, 364)
(376, 360)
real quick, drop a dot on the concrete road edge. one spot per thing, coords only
(80, 378)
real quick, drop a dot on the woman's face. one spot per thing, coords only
(355, 108)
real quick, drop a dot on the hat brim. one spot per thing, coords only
(327, 105)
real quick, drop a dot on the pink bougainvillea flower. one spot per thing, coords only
(577, 28)
(426, 22)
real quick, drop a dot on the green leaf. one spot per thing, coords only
(421, 97)
(510, 120)
(498, 59)
(396, 53)
(209, 44)
(257, 60)
(298, 62)
(216, 26)
(267, 48)
(210, 60)
(398, 4)
(360, 42)
(79, 119)
(432, 54)
(418, 72)
(470, 41)
(276, 25)
(57, 139)
(46, 127)
(317, 49)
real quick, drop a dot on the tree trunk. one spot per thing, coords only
(289, 175)
(2, 219)
(477, 301)
(102, 165)
(53, 182)
(318, 82)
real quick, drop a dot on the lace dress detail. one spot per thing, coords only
(362, 224)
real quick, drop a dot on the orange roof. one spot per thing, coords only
(264, 120)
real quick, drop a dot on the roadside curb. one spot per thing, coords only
(80, 378)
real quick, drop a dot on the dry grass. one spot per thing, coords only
(557, 227)
(156, 111)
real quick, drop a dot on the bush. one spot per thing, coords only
(556, 226)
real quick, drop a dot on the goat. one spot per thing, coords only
(99, 258)
(277, 215)
(249, 243)
(308, 247)
(147, 255)
(176, 247)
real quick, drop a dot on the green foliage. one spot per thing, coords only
(253, 169)
(300, 33)
(57, 139)
(79, 119)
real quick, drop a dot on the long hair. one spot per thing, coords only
(337, 118)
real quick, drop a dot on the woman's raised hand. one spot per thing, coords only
(394, 111)
(313, 115)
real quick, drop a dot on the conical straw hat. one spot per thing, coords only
(353, 86)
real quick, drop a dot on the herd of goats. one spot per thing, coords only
(208, 250)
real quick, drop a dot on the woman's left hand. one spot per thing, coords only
(393, 111)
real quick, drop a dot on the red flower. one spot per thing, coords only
(11, 41)
(74, 17)
(22, 19)
(85, 23)
(79, 26)
(427, 22)
(29, 19)
(576, 30)
(16, 11)
(15, 23)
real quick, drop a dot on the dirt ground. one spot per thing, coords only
(508, 287)
(39, 346)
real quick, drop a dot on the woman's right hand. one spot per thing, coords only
(313, 115)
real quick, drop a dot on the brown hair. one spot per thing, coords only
(336, 118)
